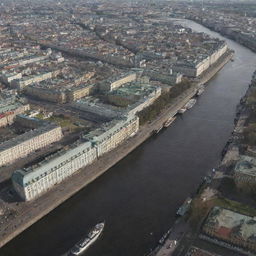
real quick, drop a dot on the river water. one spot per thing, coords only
(139, 196)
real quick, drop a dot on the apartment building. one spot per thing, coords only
(114, 133)
(24, 144)
(114, 83)
(9, 109)
(196, 67)
(36, 180)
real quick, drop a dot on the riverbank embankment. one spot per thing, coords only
(27, 213)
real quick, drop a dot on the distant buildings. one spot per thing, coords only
(237, 230)
(105, 84)
(138, 95)
(197, 66)
(236, 25)
(24, 144)
(35, 180)
(113, 83)
(9, 108)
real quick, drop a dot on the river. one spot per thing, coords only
(139, 196)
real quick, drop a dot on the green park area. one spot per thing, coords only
(164, 101)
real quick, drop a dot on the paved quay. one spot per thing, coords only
(30, 212)
(181, 227)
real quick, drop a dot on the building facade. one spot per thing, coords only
(28, 142)
(114, 134)
(77, 93)
(196, 68)
(145, 101)
(9, 110)
(23, 82)
(31, 182)
(113, 84)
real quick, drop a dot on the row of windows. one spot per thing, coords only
(58, 173)
(80, 162)
(26, 147)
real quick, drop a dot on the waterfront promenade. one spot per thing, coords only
(30, 212)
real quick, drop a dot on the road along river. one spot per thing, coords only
(139, 196)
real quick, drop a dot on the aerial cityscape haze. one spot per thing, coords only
(128, 128)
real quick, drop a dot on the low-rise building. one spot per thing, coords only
(114, 83)
(235, 229)
(245, 171)
(24, 144)
(10, 108)
(170, 79)
(94, 107)
(62, 87)
(22, 82)
(79, 92)
(29, 122)
(52, 95)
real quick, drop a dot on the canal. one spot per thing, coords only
(139, 196)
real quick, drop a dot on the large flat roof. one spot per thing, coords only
(246, 165)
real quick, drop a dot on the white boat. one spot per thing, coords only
(182, 110)
(200, 90)
(184, 207)
(190, 104)
(158, 130)
(169, 122)
(86, 242)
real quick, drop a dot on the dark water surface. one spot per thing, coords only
(142, 192)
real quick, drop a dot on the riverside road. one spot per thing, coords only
(139, 196)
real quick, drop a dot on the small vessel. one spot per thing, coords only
(169, 121)
(184, 207)
(200, 90)
(163, 238)
(190, 104)
(182, 110)
(158, 130)
(84, 243)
